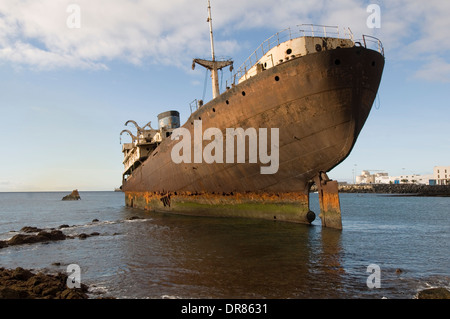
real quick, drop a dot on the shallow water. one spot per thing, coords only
(175, 256)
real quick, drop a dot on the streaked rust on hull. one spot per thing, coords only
(291, 207)
(330, 207)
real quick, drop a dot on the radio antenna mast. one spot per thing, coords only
(212, 65)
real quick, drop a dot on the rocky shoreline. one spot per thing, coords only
(401, 189)
(434, 293)
(21, 283)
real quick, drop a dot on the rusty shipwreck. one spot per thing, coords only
(316, 84)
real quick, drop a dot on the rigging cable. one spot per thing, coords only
(221, 79)
(377, 105)
(204, 85)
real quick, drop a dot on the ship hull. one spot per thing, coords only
(319, 102)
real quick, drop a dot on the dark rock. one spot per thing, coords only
(42, 236)
(95, 220)
(133, 218)
(21, 274)
(84, 235)
(30, 229)
(72, 196)
(23, 284)
(64, 226)
(56, 264)
(434, 293)
(53, 235)
(9, 293)
(21, 239)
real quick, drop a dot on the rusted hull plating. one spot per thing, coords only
(291, 207)
(319, 102)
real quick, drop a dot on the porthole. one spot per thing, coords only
(373, 63)
(277, 78)
(337, 62)
(318, 47)
(227, 102)
(288, 51)
(243, 93)
(214, 109)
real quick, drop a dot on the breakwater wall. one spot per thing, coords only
(406, 189)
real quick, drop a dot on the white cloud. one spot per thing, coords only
(436, 69)
(35, 33)
(416, 31)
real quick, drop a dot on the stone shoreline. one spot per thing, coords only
(21, 283)
(402, 189)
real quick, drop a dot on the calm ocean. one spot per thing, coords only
(174, 256)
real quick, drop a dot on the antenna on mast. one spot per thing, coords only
(211, 30)
(212, 65)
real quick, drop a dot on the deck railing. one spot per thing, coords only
(298, 31)
(373, 43)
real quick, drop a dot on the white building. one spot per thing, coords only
(412, 179)
(377, 178)
(383, 178)
(441, 174)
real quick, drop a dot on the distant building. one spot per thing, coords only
(367, 178)
(441, 175)
(383, 178)
(412, 179)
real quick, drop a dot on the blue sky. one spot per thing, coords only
(65, 93)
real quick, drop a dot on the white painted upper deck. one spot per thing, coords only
(292, 43)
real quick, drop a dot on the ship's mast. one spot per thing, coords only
(212, 65)
(214, 73)
(211, 30)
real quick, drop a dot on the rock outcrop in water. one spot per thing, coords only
(42, 236)
(434, 293)
(72, 196)
(30, 229)
(20, 283)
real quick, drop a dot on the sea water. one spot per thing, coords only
(141, 254)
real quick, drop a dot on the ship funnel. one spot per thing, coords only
(169, 120)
